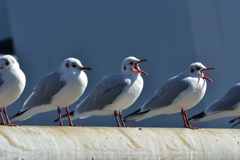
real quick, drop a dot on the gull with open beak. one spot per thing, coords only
(178, 94)
(113, 93)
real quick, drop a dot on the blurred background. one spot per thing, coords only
(171, 34)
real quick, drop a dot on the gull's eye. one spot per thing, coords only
(74, 65)
(131, 63)
(7, 63)
(198, 68)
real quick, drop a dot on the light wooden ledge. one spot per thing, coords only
(53, 142)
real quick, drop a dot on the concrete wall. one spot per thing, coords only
(170, 34)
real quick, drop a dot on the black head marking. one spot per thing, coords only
(131, 63)
(7, 62)
(124, 67)
(67, 64)
(74, 65)
(198, 68)
(192, 70)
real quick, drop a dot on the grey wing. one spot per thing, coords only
(104, 93)
(45, 90)
(166, 94)
(227, 102)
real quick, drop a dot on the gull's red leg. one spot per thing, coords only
(115, 114)
(69, 117)
(123, 125)
(8, 122)
(189, 125)
(184, 118)
(120, 116)
(59, 115)
(2, 123)
(70, 121)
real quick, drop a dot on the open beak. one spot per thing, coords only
(137, 68)
(85, 68)
(204, 77)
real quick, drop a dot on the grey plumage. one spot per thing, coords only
(178, 94)
(163, 97)
(224, 107)
(104, 93)
(1, 81)
(227, 102)
(167, 94)
(60, 89)
(47, 88)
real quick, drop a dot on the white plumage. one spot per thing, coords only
(113, 93)
(57, 89)
(227, 106)
(181, 92)
(12, 82)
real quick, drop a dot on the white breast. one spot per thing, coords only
(13, 86)
(129, 95)
(71, 92)
(190, 97)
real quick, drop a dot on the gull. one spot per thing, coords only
(227, 106)
(179, 93)
(113, 93)
(12, 84)
(57, 89)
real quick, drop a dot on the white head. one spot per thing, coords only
(72, 64)
(7, 62)
(196, 70)
(130, 66)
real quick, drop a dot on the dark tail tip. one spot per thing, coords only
(56, 120)
(238, 119)
(235, 124)
(135, 114)
(234, 121)
(198, 116)
(71, 114)
(124, 119)
(18, 114)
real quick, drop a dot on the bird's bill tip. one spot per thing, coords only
(208, 79)
(142, 60)
(204, 77)
(86, 68)
(144, 73)
(137, 68)
(208, 69)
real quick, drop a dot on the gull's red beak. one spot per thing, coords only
(204, 77)
(137, 68)
(85, 68)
